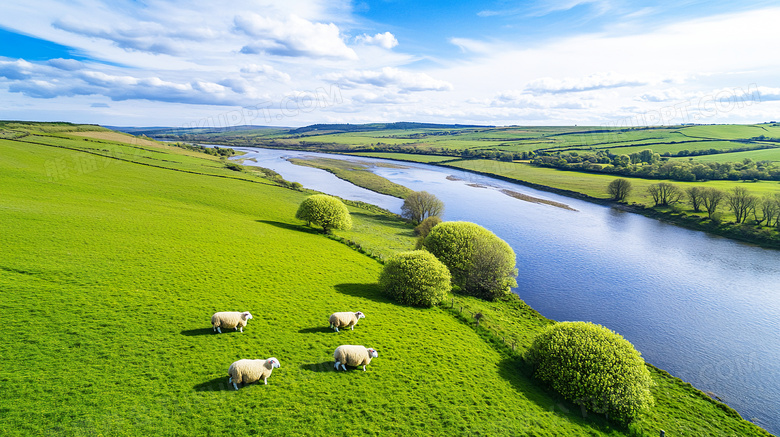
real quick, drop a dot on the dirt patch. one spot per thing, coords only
(532, 199)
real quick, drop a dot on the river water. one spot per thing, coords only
(704, 308)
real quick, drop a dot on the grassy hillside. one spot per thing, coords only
(114, 256)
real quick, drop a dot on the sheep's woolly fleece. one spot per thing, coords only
(248, 371)
(230, 319)
(353, 355)
(345, 320)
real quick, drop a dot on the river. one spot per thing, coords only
(704, 308)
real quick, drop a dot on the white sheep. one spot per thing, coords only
(353, 355)
(248, 371)
(345, 319)
(230, 319)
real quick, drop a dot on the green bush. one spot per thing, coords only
(415, 278)
(481, 264)
(593, 366)
(425, 227)
(325, 211)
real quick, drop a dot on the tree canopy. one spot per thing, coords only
(325, 211)
(415, 278)
(593, 366)
(481, 264)
(420, 205)
(619, 189)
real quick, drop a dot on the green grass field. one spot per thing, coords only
(356, 172)
(111, 270)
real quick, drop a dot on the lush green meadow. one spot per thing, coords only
(114, 256)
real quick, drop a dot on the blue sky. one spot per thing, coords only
(298, 62)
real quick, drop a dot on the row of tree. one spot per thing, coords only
(764, 210)
(646, 164)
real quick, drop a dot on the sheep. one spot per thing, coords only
(345, 319)
(230, 319)
(353, 355)
(248, 371)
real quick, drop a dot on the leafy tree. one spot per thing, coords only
(420, 205)
(325, 211)
(664, 193)
(481, 264)
(769, 209)
(415, 278)
(619, 189)
(695, 197)
(741, 203)
(593, 366)
(710, 198)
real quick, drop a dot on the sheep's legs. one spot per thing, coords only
(337, 365)
(265, 380)
(344, 367)
(364, 368)
(240, 329)
(336, 329)
(235, 386)
(219, 330)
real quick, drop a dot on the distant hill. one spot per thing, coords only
(403, 125)
(157, 130)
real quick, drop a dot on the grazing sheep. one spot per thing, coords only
(352, 355)
(230, 319)
(345, 319)
(248, 371)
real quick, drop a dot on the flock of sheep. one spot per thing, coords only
(248, 371)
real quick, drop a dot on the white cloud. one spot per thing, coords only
(386, 40)
(265, 71)
(390, 77)
(293, 36)
(593, 82)
(472, 45)
(143, 36)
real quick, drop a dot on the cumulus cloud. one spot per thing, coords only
(664, 95)
(292, 37)
(66, 64)
(525, 100)
(590, 83)
(386, 40)
(265, 71)
(142, 36)
(16, 70)
(390, 77)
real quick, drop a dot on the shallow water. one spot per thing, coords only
(704, 308)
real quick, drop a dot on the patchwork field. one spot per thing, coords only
(113, 258)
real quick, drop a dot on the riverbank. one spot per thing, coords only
(738, 232)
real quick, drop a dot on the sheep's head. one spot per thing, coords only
(274, 362)
(360, 315)
(246, 316)
(373, 353)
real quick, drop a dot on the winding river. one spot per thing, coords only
(704, 308)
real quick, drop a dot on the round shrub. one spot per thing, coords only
(425, 227)
(593, 366)
(325, 211)
(415, 278)
(481, 264)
